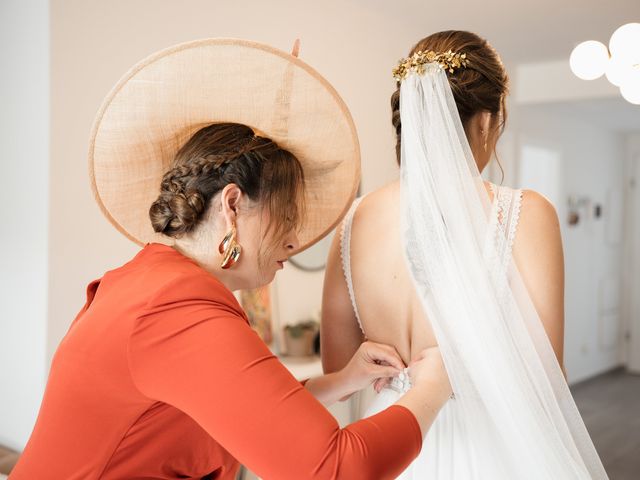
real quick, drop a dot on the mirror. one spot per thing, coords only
(314, 259)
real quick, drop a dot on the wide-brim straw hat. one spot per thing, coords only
(164, 99)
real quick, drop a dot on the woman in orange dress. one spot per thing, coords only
(160, 374)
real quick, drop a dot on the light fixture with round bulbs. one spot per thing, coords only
(589, 60)
(625, 43)
(617, 71)
(620, 63)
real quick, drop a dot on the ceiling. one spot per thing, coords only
(522, 31)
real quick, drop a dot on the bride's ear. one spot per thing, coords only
(478, 130)
(485, 120)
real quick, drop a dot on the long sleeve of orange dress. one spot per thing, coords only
(161, 376)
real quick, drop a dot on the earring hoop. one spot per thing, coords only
(230, 249)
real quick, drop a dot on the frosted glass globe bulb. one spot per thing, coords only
(589, 60)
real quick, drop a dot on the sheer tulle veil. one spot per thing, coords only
(512, 404)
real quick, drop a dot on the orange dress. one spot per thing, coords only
(161, 376)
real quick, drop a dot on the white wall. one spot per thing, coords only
(24, 152)
(552, 81)
(592, 164)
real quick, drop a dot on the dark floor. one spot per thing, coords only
(610, 408)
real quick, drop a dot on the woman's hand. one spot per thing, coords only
(372, 363)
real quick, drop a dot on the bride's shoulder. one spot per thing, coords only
(533, 205)
(538, 222)
(377, 205)
(537, 207)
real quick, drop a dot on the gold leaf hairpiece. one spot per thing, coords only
(448, 61)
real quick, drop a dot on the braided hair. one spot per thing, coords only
(218, 155)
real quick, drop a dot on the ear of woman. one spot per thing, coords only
(479, 133)
(229, 201)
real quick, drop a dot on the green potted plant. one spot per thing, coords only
(299, 338)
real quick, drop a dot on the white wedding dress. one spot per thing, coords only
(440, 457)
(513, 416)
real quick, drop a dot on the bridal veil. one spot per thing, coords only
(511, 398)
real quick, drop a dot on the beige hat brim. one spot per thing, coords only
(163, 100)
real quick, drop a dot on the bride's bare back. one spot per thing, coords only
(388, 307)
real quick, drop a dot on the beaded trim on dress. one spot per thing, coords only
(505, 217)
(345, 255)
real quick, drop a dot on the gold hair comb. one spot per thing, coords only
(448, 61)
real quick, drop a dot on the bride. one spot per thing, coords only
(441, 257)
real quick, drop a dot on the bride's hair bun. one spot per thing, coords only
(482, 85)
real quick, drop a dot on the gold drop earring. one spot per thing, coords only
(229, 249)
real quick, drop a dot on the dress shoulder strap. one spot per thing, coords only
(345, 254)
(507, 204)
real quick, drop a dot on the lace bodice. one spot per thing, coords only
(505, 216)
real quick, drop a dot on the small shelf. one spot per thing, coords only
(303, 367)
